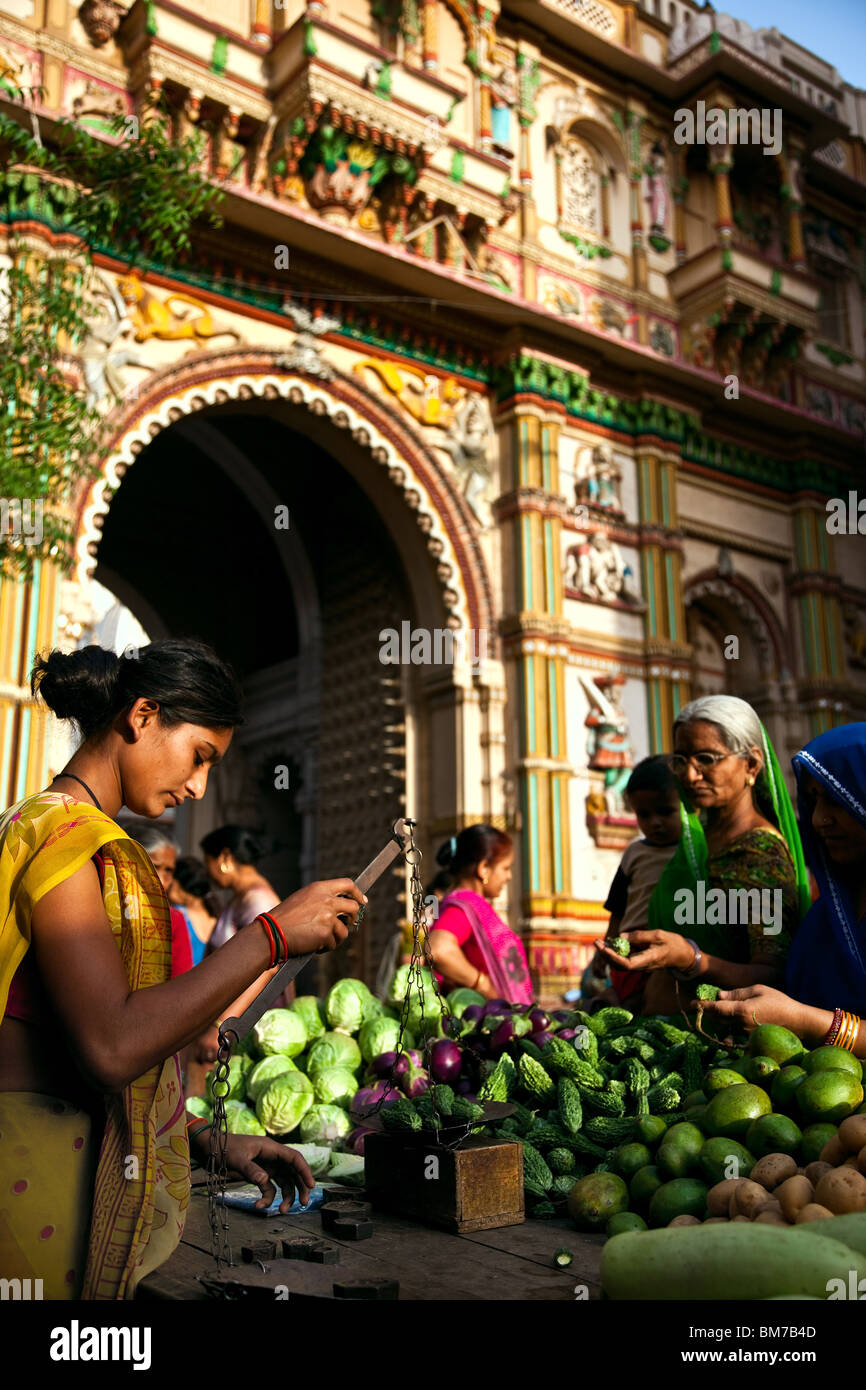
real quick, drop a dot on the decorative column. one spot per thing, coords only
(28, 624)
(790, 192)
(680, 191)
(431, 35)
(528, 80)
(815, 593)
(262, 23)
(661, 566)
(720, 166)
(639, 264)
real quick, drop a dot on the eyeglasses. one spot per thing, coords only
(702, 761)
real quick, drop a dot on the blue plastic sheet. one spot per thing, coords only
(245, 1199)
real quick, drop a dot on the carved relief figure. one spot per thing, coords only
(657, 190)
(429, 399)
(597, 479)
(102, 353)
(467, 443)
(608, 743)
(156, 318)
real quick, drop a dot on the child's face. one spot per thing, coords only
(658, 815)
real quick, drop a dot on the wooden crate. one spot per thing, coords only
(477, 1187)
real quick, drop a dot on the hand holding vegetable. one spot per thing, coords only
(757, 1004)
(652, 950)
(259, 1160)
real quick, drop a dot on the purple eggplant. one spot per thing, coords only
(354, 1142)
(567, 1034)
(366, 1100)
(502, 1035)
(463, 1086)
(414, 1083)
(563, 1015)
(541, 1039)
(473, 1013)
(496, 1006)
(540, 1020)
(446, 1061)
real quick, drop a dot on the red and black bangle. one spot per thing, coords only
(833, 1031)
(282, 951)
(196, 1125)
(271, 935)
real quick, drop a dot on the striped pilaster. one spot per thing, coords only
(815, 594)
(661, 569)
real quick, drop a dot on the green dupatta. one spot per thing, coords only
(691, 862)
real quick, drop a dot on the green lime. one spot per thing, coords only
(813, 1141)
(771, 1040)
(696, 1115)
(625, 1221)
(731, 1111)
(829, 1096)
(650, 1128)
(678, 1152)
(758, 1069)
(773, 1134)
(717, 1078)
(680, 1197)
(694, 1098)
(783, 1087)
(628, 1159)
(645, 1182)
(724, 1158)
(833, 1059)
(595, 1199)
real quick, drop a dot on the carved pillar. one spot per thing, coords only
(431, 35)
(639, 262)
(681, 188)
(815, 591)
(28, 621)
(528, 79)
(225, 150)
(720, 167)
(789, 168)
(262, 23)
(661, 568)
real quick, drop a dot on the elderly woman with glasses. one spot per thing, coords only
(725, 909)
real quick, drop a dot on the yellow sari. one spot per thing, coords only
(141, 1190)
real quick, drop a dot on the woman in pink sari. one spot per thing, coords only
(470, 943)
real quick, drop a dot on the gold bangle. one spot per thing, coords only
(856, 1035)
(844, 1029)
(851, 1034)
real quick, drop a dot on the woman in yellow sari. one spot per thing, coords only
(94, 1158)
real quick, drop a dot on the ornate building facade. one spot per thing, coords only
(522, 342)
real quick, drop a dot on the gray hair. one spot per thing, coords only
(151, 837)
(738, 722)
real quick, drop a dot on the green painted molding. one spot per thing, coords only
(584, 247)
(834, 355)
(776, 282)
(310, 47)
(458, 166)
(150, 24)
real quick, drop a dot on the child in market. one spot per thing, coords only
(653, 794)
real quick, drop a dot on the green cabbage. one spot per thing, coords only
(348, 1169)
(460, 999)
(236, 1081)
(264, 1072)
(399, 986)
(334, 1086)
(325, 1124)
(317, 1155)
(198, 1106)
(333, 1050)
(312, 1011)
(280, 1031)
(284, 1103)
(241, 1120)
(378, 1036)
(349, 1004)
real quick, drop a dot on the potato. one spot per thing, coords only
(685, 1221)
(833, 1152)
(851, 1162)
(861, 1159)
(747, 1199)
(739, 1218)
(771, 1218)
(719, 1197)
(852, 1133)
(793, 1194)
(842, 1191)
(812, 1212)
(716, 1221)
(772, 1204)
(815, 1171)
(772, 1170)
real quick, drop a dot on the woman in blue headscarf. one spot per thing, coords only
(826, 970)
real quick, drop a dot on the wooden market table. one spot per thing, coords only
(512, 1263)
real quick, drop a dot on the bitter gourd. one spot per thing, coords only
(692, 1070)
(530, 1049)
(608, 1131)
(603, 1102)
(562, 1059)
(535, 1079)
(661, 1098)
(562, 1185)
(401, 1117)
(561, 1161)
(463, 1109)
(606, 1020)
(537, 1177)
(501, 1084)
(570, 1108)
(444, 1098)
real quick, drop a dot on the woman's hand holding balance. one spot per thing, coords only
(311, 917)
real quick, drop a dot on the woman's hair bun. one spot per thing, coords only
(81, 685)
(446, 853)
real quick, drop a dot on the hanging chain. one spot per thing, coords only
(421, 959)
(217, 1170)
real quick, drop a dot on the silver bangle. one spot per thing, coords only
(695, 966)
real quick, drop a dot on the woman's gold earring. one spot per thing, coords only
(751, 781)
(223, 868)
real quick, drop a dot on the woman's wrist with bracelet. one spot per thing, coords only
(276, 939)
(843, 1032)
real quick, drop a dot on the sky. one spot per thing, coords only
(835, 30)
